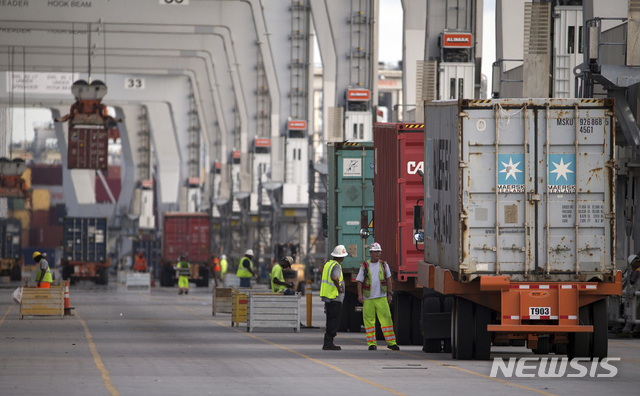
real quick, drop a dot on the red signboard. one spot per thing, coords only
(260, 142)
(399, 158)
(298, 124)
(457, 40)
(186, 234)
(88, 147)
(358, 94)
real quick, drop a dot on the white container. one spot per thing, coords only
(520, 187)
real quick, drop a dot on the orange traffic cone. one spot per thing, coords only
(67, 304)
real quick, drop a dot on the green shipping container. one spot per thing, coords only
(351, 170)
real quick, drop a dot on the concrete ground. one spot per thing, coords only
(160, 343)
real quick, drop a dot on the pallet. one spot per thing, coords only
(222, 300)
(273, 311)
(42, 302)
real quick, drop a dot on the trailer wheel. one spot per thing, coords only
(16, 272)
(559, 349)
(429, 305)
(600, 343)
(544, 346)
(462, 330)
(482, 339)
(416, 329)
(402, 317)
(579, 342)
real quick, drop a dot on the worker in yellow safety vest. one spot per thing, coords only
(245, 269)
(332, 293)
(375, 293)
(184, 270)
(224, 266)
(278, 285)
(43, 272)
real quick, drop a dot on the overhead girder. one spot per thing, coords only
(169, 185)
(237, 14)
(181, 40)
(331, 22)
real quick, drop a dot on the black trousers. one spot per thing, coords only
(334, 315)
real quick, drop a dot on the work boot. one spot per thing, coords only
(180, 292)
(393, 347)
(186, 292)
(331, 348)
(372, 347)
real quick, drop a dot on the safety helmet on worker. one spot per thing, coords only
(287, 259)
(375, 247)
(224, 257)
(629, 259)
(249, 252)
(36, 254)
(339, 251)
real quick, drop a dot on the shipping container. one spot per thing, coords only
(40, 199)
(46, 236)
(16, 203)
(39, 218)
(24, 216)
(102, 195)
(519, 224)
(57, 213)
(46, 175)
(88, 147)
(85, 249)
(188, 235)
(10, 248)
(350, 211)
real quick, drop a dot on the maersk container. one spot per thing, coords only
(520, 187)
(85, 239)
(398, 188)
(350, 201)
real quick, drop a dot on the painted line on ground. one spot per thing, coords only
(97, 360)
(443, 364)
(336, 368)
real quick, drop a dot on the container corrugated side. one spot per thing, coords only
(88, 147)
(186, 234)
(522, 188)
(350, 192)
(85, 239)
(397, 189)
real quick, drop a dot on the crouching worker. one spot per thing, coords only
(278, 285)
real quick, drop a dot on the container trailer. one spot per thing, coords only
(518, 232)
(188, 235)
(84, 254)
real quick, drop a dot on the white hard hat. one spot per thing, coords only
(249, 252)
(375, 247)
(339, 251)
(631, 258)
(224, 256)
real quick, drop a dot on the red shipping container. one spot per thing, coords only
(114, 172)
(399, 156)
(47, 175)
(88, 147)
(46, 237)
(186, 234)
(39, 218)
(102, 196)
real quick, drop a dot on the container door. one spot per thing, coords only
(497, 173)
(575, 176)
(354, 193)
